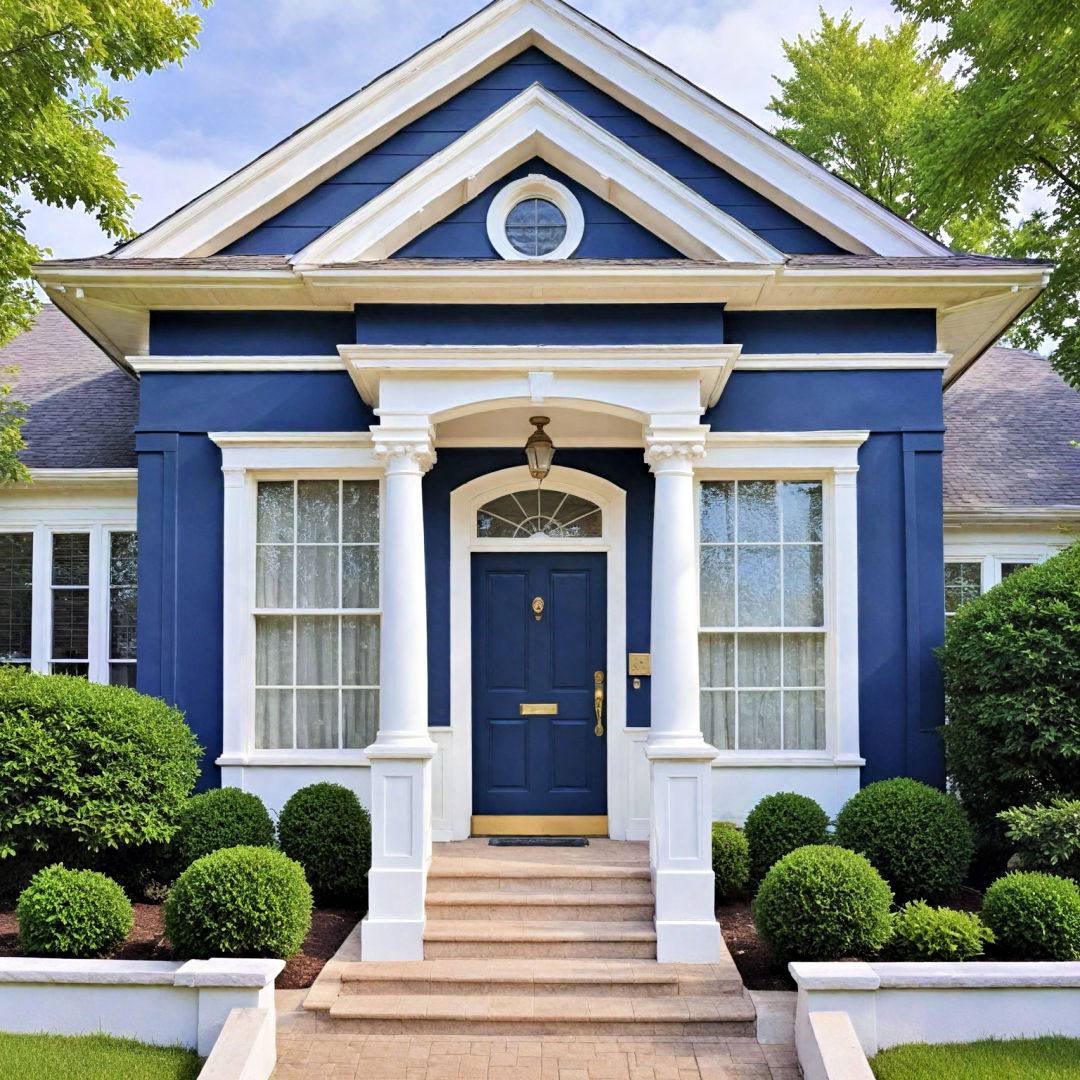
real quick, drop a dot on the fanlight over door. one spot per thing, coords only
(538, 512)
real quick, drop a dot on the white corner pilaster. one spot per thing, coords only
(680, 761)
(401, 754)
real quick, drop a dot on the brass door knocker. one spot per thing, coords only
(537, 607)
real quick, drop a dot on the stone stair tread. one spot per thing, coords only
(512, 899)
(551, 1008)
(537, 930)
(487, 868)
(513, 970)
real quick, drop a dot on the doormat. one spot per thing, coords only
(538, 841)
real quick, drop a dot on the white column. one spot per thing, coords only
(680, 761)
(401, 754)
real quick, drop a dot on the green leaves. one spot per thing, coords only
(54, 58)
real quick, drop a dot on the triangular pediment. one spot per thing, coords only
(477, 47)
(538, 124)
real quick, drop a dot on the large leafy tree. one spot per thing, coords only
(57, 61)
(954, 153)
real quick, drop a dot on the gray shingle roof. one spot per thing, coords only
(1009, 423)
(83, 408)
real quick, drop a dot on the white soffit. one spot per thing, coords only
(479, 45)
(537, 123)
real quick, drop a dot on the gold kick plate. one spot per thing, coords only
(538, 710)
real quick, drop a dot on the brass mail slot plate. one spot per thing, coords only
(538, 710)
(639, 663)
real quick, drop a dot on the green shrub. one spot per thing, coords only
(76, 913)
(1011, 662)
(1034, 916)
(1046, 837)
(221, 818)
(326, 830)
(241, 901)
(779, 824)
(86, 768)
(823, 903)
(730, 858)
(921, 932)
(917, 836)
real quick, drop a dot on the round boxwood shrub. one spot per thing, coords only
(86, 768)
(918, 837)
(1011, 663)
(326, 830)
(240, 901)
(730, 858)
(921, 932)
(221, 818)
(75, 913)
(823, 903)
(779, 824)
(1034, 916)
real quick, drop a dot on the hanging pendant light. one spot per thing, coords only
(539, 449)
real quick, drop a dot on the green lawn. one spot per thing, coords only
(92, 1057)
(1049, 1058)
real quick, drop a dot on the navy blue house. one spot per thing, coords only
(715, 572)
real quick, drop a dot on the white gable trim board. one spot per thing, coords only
(537, 123)
(477, 46)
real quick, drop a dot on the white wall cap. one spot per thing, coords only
(981, 975)
(228, 972)
(33, 969)
(834, 976)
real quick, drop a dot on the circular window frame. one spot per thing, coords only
(535, 186)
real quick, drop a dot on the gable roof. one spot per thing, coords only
(82, 407)
(495, 34)
(1010, 420)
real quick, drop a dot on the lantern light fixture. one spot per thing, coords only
(539, 449)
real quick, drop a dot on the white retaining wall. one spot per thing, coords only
(155, 1001)
(893, 1004)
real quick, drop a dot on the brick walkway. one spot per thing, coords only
(306, 1055)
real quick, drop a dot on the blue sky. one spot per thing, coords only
(266, 67)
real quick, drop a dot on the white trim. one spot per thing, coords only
(146, 364)
(492, 36)
(832, 457)
(537, 123)
(1011, 515)
(841, 361)
(464, 502)
(535, 186)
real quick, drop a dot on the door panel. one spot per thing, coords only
(551, 764)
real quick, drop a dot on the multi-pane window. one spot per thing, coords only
(16, 596)
(123, 595)
(1009, 568)
(317, 614)
(762, 640)
(70, 604)
(963, 582)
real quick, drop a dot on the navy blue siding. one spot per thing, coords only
(609, 233)
(539, 324)
(310, 216)
(865, 330)
(249, 333)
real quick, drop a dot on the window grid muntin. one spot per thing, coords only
(528, 516)
(337, 614)
(780, 630)
(74, 622)
(971, 583)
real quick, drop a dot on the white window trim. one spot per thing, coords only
(535, 186)
(41, 644)
(992, 556)
(832, 458)
(247, 458)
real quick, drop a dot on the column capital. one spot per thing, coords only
(666, 455)
(404, 453)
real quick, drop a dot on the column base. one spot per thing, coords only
(686, 928)
(391, 939)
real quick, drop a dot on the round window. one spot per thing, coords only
(535, 227)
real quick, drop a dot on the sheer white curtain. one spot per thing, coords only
(317, 627)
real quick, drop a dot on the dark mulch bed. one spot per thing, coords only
(147, 941)
(759, 969)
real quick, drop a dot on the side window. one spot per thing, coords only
(16, 596)
(963, 582)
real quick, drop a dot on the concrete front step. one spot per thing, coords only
(567, 978)
(564, 907)
(461, 875)
(556, 939)
(730, 1015)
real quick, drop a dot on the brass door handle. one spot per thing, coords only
(598, 702)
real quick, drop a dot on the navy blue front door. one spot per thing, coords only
(551, 763)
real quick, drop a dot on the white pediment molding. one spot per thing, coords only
(479, 45)
(536, 123)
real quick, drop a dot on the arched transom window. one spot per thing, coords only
(538, 512)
